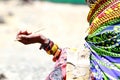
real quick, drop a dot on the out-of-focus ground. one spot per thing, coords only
(65, 24)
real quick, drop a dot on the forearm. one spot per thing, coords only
(51, 48)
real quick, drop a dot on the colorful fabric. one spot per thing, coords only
(105, 53)
(59, 72)
(104, 42)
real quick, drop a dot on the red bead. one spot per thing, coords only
(101, 15)
(54, 59)
(114, 6)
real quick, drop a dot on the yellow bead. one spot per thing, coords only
(54, 48)
(116, 9)
(95, 20)
(110, 10)
(119, 5)
(107, 12)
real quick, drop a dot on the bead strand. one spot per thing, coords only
(114, 13)
(50, 47)
(100, 9)
(95, 7)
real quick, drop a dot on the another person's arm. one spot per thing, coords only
(60, 57)
(26, 38)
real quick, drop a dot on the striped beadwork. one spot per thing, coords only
(108, 15)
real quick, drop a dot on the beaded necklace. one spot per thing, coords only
(108, 16)
(94, 8)
(100, 9)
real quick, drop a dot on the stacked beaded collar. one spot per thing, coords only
(91, 2)
(102, 14)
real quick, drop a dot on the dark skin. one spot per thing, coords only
(26, 37)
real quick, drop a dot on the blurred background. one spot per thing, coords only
(63, 21)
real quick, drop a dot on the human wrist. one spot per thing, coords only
(45, 43)
(42, 40)
(49, 47)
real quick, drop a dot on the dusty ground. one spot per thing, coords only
(65, 24)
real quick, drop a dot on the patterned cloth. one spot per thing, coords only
(59, 72)
(104, 40)
(105, 53)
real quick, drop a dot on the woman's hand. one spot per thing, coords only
(26, 37)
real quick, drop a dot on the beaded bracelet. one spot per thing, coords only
(50, 47)
(57, 55)
(52, 50)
